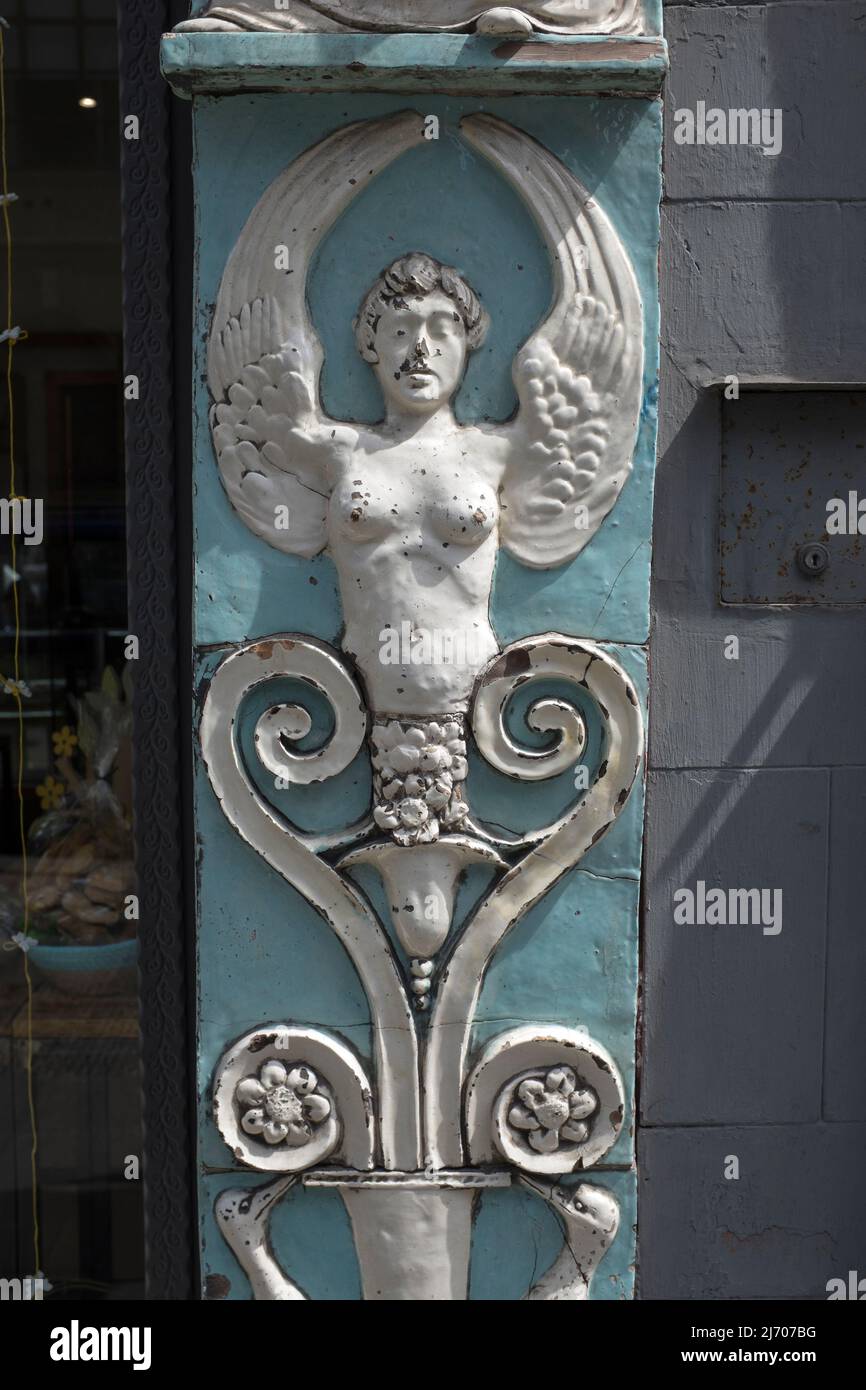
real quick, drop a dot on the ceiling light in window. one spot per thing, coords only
(87, 102)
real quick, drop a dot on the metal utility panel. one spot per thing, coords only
(785, 456)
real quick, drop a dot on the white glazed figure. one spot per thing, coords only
(413, 510)
(413, 517)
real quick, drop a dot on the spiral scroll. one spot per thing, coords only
(607, 684)
(296, 859)
(533, 658)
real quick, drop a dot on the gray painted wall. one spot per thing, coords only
(755, 1045)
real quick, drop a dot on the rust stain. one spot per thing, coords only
(216, 1286)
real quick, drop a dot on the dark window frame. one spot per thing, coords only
(157, 255)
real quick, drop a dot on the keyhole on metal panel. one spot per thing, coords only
(813, 559)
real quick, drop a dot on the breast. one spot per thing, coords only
(414, 509)
(461, 519)
(360, 512)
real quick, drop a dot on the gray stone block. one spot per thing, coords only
(754, 289)
(844, 1069)
(793, 1220)
(803, 59)
(853, 333)
(794, 697)
(734, 1017)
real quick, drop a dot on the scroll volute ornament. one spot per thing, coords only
(412, 512)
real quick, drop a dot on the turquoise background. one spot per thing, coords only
(444, 199)
(264, 953)
(516, 1240)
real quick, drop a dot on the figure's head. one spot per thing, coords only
(416, 327)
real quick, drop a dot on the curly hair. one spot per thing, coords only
(414, 276)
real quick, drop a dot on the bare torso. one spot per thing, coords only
(412, 528)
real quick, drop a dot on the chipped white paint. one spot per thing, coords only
(524, 1078)
(589, 1217)
(308, 1093)
(533, 874)
(418, 773)
(296, 857)
(243, 1216)
(552, 659)
(315, 666)
(413, 1235)
(413, 512)
(549, 1100)
(421, 881)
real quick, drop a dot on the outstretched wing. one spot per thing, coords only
(579, 378)
(264, 358)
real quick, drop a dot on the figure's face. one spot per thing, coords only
(422, 353)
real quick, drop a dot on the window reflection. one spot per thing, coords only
(68, 1039)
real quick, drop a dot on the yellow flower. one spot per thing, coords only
(65, 742)
(50, 793)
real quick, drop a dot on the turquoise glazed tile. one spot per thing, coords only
(265, 955)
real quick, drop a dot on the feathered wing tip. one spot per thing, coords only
(264, 358)
(262, 294)
(579, 378)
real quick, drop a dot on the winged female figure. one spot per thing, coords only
(413, 510)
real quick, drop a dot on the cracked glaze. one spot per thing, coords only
(270, 433)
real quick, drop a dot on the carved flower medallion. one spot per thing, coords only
(287, 1097)
(553, 1111)
(283, 1105)
(561, 1113)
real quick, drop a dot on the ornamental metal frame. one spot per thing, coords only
(157, 449)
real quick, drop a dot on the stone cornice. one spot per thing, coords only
(198, 64)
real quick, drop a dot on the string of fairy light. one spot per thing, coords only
(11, 337)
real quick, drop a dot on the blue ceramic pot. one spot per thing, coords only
(88, 969)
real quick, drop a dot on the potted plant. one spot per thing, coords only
(81, 908)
